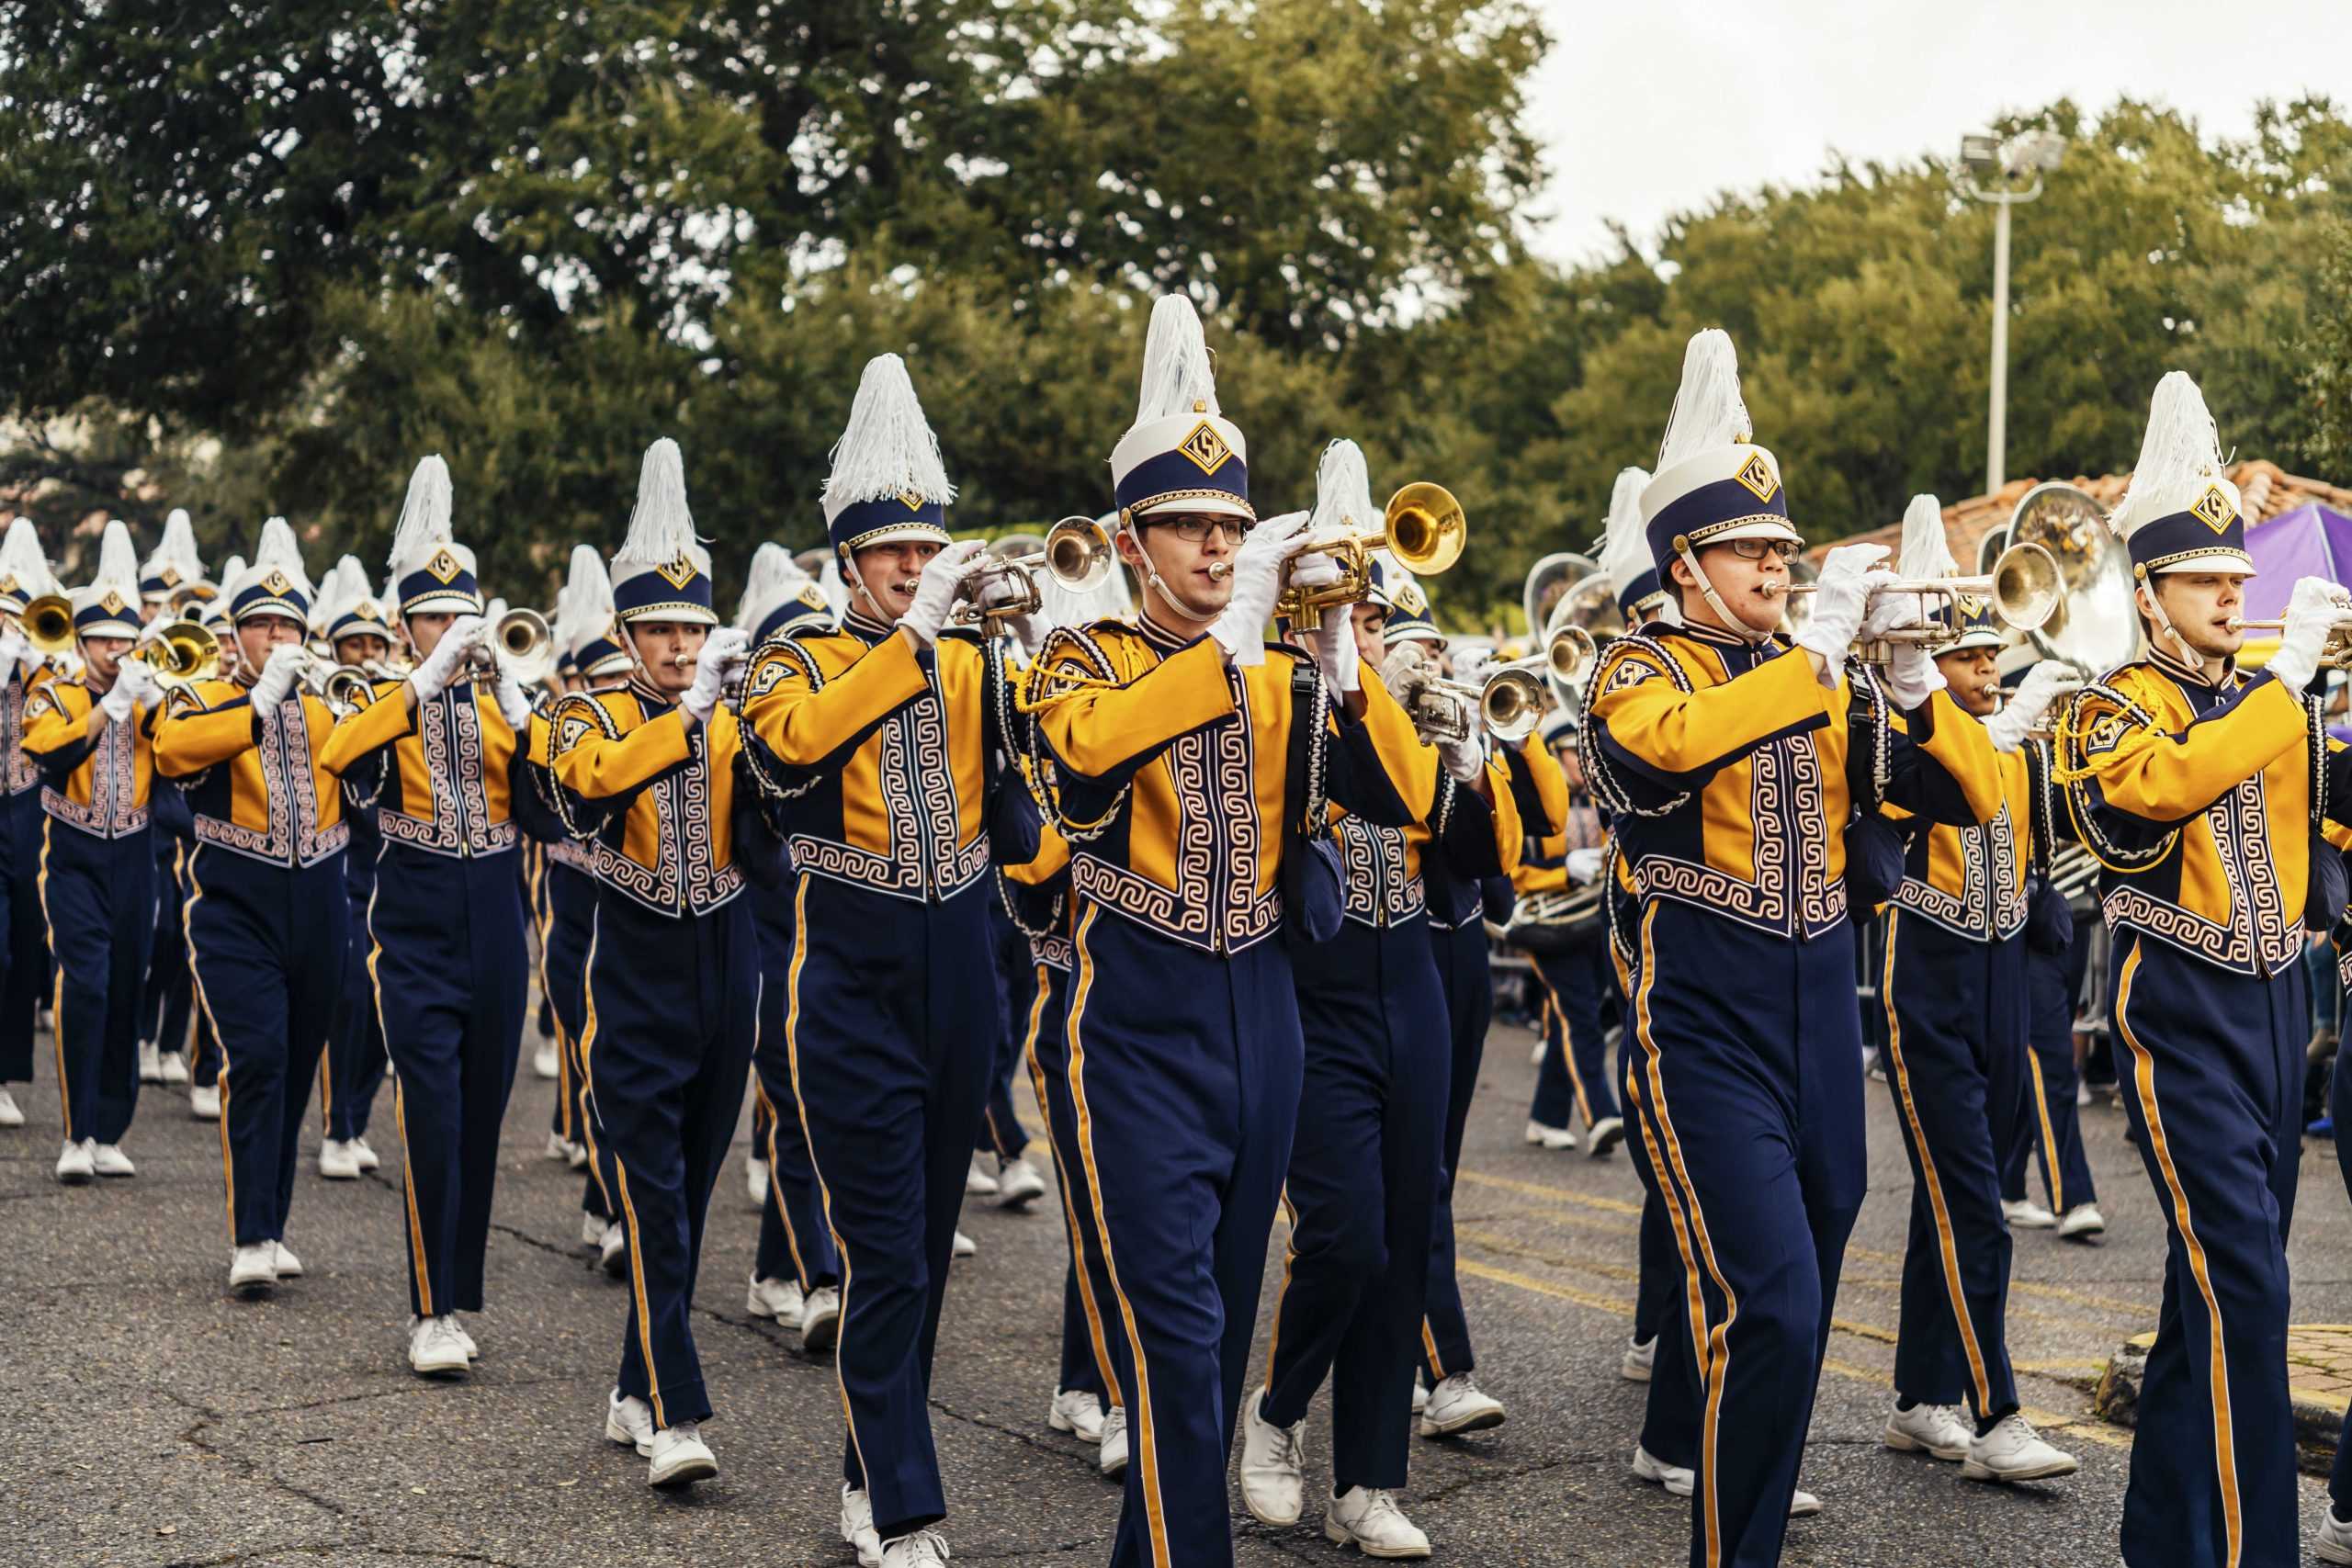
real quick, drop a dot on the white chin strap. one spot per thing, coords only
(1151, 575)
(1736, 624)
(857, 589)
(2164, 627)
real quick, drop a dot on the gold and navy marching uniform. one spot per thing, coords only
(1723, 763)
(1456, 916)
(1572, 1085)
(1956, 993)
(669, 999)
(447, 967)
(878, 758)
(2197, 794)
(1184, 1031)
(23, 942)
(268, 920)
(1368, 1152)
(97, 892)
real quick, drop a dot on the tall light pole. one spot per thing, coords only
(2003, 173)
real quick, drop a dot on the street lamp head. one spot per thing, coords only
(1980, 155)
(2035, 152)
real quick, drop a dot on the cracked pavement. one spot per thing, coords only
(161, 1423)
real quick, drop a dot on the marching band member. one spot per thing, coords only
(24, 945)
(1721, 752)
(204, 1056)
(1574, 1079)
(1172, 742)
(1956, 996)
(439, 753)
(1447, 1400)
(359, 629)
(671, 981)
(1368, 1151)
(266, 913)
(797, 1273)
(175, 572)
(2193, 782)
(2053, 1125)
(90, 738)
(881, 742)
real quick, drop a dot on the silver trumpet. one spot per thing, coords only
(1075, 552)
(2024, 587)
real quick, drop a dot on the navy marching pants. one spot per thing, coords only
(563, 962)
(1363, 1172)
(1000, 1131)
(267, 943)
(794, 1241)
(356, 1057)
(2339, 1110)
(169, 997)
(1464, 974)
(1185, 1074)
(670, 1007)
(451, 981)
(24, 935)
(1092, 1339)
(1572, 1085)
(1672, 1406)
(888, 1034)
(100, 898)
(1955, 1055)
(1751, 1079)
(2052, 1122)
(2212, 1064)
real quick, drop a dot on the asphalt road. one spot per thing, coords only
(157, 1421)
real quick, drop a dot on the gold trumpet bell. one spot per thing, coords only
(1510, 701)
(1425, 527)
(47, 622)
(183, 652)
(2027, 589)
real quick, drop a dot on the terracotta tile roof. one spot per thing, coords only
(2267, 489)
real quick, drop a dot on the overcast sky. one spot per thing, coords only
(1649, 108)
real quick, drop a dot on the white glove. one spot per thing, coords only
(134, 688)
(2043, 684)
(1839, 602)
(441, 667)
(1030, 632)
(512, 700)
(2318, 608)
(1334, 644)
(723, 655)
(1912, 676)
(1466, 759)
(1891, 612)
(1316, 570)
(935, 591)
(14, 649)
(1240, 627)
(277, 678)
(1584, 866)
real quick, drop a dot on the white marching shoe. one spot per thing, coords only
(2083, 1223)
(1605, 1136)
(367, 1156)
(1367, 1518)
(1077, 1412)
(924, 1548)
(543, 1061)
(107, 1159)
(755, 1181)
(252, 1271)
(336, 1162)
(11, 1115)
(820, 1319)
(76, 1162)
(2333, 1543)
(966, 1247)
(1677, 1479)
(1018, 1184)
(1940, 1430)
(857, 1526)
(434, 1349)
(612, 1251)
(1272, 1460)
(680, 1457)
(175, 1068)
(557, 1148)
(978, 1182)
(2025, 1214)
(628, 1421)
(1457, 1405)
(777, 1298)
(1550, 1137)
(1640, 1356)
(204, 1101)
(592, 1231)
(2013, 1451)
(290, 1266)
(151, 1063)
(465, 1340)
(1110, 1459)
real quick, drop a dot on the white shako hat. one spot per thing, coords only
(432, 573)
(1181, 454)
(1926, 553)
(275, 584)
(356, 609)
(1713, 484)
(888, 482)
(24, 569)
(175, 564)
(661, 572)
(779, 598)
(588, 633)
(1625, 560)
(108, 607)
(2182, 514)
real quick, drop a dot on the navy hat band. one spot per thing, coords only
(1176, 473)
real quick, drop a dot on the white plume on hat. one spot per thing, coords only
(1178, 377)
(774, 578)
(118, 570)
(1342, 490)
(280, 552)
(1624, 553)
(660, 528)
(21, 558)
(887, 448)
(177, 549)
(425, 525)
(1708, 410)
(587, 600)
(2180, 458)
(829, 583)
(1925, 552)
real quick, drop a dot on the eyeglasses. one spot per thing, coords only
(1757, 549)
(1195, 530)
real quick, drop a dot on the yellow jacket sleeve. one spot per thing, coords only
(190, 742)
(1098, 730)
(51, 728)
(1670, 732)
(1410, 762)
(803, 727)
(1962, 747)
(2164, 777)
(1551, 784)
(1511, 830)
(358, 735)
(597, 766)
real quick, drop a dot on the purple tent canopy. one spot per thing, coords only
(2312, 540)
